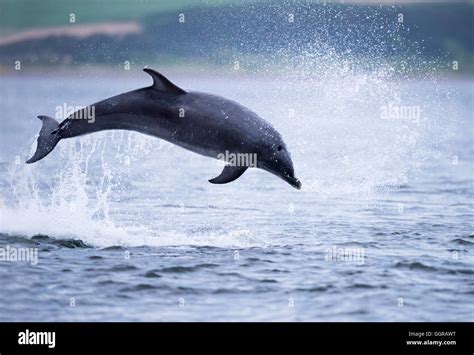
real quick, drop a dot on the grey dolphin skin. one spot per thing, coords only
(202, 123)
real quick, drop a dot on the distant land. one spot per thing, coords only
(215, 32)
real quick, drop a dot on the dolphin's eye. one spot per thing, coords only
(279, 148)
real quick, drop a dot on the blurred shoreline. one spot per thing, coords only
(206, 70)
(211, 36)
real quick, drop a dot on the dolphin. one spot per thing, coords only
(203, 123)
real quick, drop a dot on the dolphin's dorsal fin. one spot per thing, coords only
(160, 83)
(229, 174)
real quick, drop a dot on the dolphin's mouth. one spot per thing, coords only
(292, 181)
(284, 175)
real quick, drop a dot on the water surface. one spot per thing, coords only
(127, 228)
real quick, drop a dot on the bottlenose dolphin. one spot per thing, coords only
(202, 123)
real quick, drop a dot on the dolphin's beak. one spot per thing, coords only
(292, 181)
(284, 171)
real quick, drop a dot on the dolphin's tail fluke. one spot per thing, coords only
(47, 140)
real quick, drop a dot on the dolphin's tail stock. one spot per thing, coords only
(47, 139)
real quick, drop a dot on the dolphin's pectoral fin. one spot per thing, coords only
(229, 174)
(160, 83)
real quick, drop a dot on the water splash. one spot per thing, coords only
(81, 198)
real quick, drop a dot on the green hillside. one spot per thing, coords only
(18, 15)
(433, 36)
